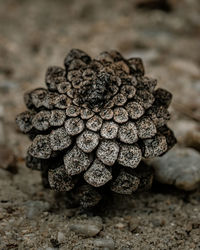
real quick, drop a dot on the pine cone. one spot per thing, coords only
(93, 125)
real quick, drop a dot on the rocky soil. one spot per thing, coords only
(36, 34)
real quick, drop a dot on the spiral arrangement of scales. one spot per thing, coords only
(94, 123)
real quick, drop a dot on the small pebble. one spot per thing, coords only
(104, 243)
(182, 127)
(61, 237)
(120, 225)
(88, 228)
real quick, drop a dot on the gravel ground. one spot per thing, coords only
(36, 34)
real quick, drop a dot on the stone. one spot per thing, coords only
(105, 243)
(88, 228)
(61, 237)
(182, 127)
(179, 167)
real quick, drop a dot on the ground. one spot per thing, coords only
(36, 34)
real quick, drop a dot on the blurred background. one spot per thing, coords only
(37, 34)
(165, 33)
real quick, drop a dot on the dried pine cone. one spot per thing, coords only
(93, 125)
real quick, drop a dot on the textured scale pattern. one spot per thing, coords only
(94, 123)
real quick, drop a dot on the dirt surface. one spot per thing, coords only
(36, 34)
